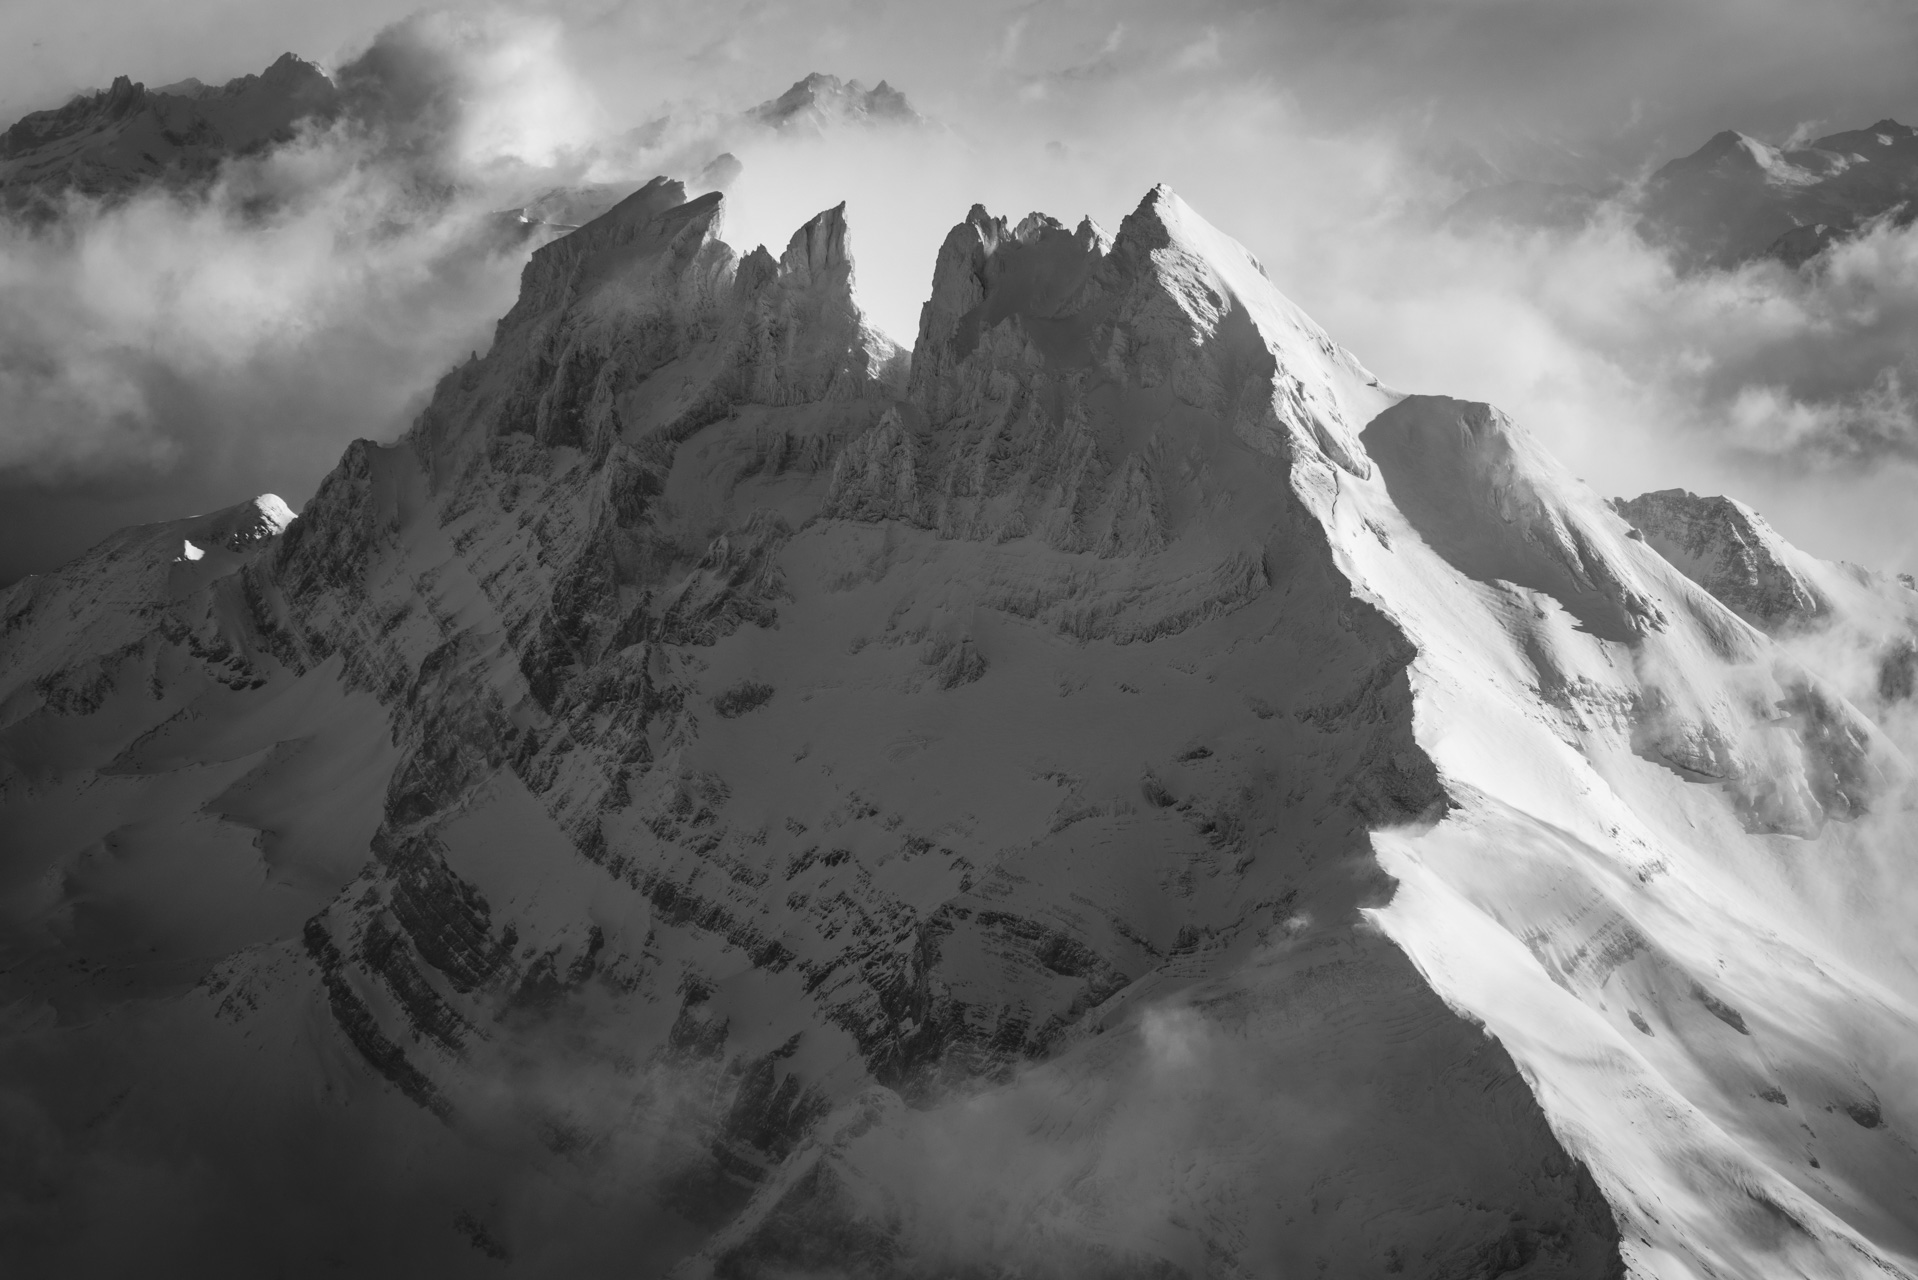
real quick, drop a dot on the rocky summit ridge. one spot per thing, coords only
(1113, 791)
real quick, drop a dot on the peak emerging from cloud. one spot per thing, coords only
(128, 138)
(821, 100)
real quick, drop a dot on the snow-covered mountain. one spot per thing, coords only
(128, 137)
(1736, 198)
(1115, 791)
(819, 101)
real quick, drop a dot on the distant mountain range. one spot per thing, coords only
(129, 138)
(813, 106)
(821, 100)
(1737, 199)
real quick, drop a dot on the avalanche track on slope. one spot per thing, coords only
(1117, 792)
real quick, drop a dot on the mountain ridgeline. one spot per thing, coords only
(398, 103)
(1736, 199)
(128, 138)
(1114, 791)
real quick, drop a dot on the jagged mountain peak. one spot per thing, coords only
(1162, 220)
(605, 251)
(817, 100)
(1036, 268)
(291, 66)
(288, 73)
(1320, 395)
(818, 249)
(650, 283)
(1169, 301)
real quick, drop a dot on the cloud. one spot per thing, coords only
(1092, 1163)
(488, 90)
(1790, 389)
(185, 350)
(561, 1157)
(173, 344)
(1201, 53)
(122, 318)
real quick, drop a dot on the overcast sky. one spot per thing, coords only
(1326, 134)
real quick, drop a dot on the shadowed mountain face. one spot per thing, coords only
(128, 138)
(1116, 792)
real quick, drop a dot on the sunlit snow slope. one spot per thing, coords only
(1114, 793)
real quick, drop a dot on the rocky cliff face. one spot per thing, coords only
(721, 797)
